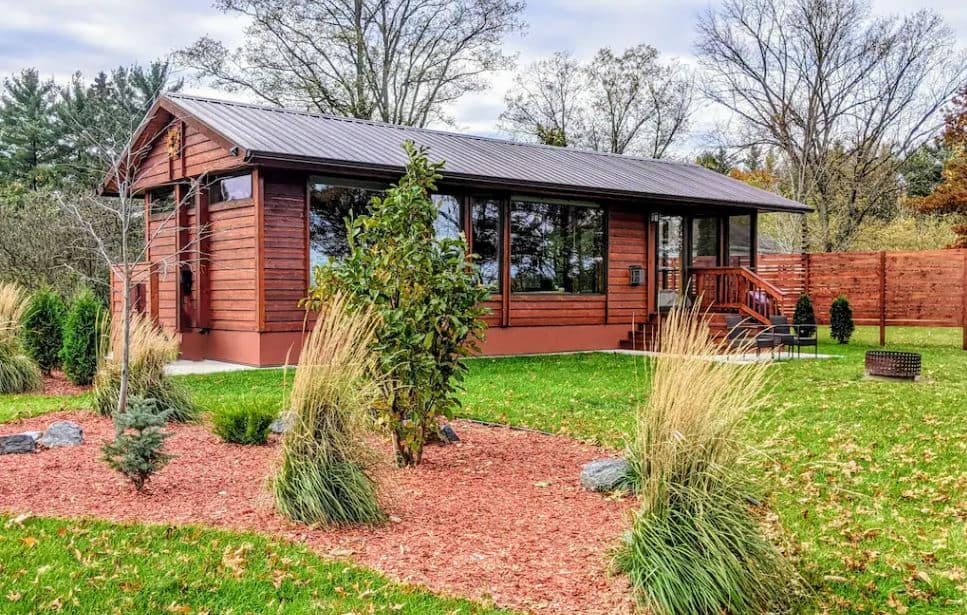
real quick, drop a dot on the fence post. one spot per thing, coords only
(882, 298)
(963, 316)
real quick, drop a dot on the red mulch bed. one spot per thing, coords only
(500, 515)
(58, 384)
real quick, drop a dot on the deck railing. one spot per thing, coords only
(735, 288)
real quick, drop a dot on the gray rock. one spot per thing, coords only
(279, 425)
(605, 474)
(36, 435)
(17, 443)
(62, 433)
(448, 434)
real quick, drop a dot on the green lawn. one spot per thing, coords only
(85, 566)
(868, 477)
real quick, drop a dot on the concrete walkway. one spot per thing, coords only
(182, 367)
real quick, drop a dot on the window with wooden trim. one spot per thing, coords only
(236, 188)
(740, 241)
(331, 206)
(556, 247)
(485, 233)
(162, 201)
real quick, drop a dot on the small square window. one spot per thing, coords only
(231, 189)
(162, 201)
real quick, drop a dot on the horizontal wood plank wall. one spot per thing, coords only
(493, 318)
(528, 310)
(922, 288)
(162, 253)
(200, 155)
(627, 246)
(285, 251)
(231, 265)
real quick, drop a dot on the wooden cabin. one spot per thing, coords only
(582, 250)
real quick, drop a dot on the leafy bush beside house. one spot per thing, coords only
(841, 324)
(82, 330)
(18, 372)
(43, 326)
(427, 295)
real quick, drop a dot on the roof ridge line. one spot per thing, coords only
(355, 120)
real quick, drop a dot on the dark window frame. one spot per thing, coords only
(511, 199)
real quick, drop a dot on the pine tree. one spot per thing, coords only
(841, 320)
(136, 451)
(804, 315)
(81, 335)
(30, 133)
(43, 326)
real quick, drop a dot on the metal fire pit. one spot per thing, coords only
(892, 364)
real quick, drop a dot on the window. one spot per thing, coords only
(740, 241)
(485, 233)
(330, 206)
(231, 189)
(162, 201)
(705, 242)
(449, 220)
(556, 248)
(669, 265)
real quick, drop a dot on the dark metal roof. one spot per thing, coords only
(266, 134)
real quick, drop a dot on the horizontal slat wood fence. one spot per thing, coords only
(921, 289)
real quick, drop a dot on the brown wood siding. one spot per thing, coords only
(285, 256)
(200, 155)
(162, 253)
(627, 246)
(231, 266)
(527, 310)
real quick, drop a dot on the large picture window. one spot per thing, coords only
(485, 233)
(330, 206)
(556, 248)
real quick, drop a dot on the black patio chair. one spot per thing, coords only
(806, 335)
(743, 333)
(793, 336)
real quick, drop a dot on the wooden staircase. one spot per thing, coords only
(719, 291)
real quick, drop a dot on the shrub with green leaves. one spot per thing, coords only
(804, 315)
(137, 449)
(841, 324)
(18, 372)
(427, 294)
(43, 326)
(82, 332)
(244, 424)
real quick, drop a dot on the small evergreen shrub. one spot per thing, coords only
(43, 326)
(137, 450)
(804, 315)
(841, 324)
(246, 424)
(82, 331)
(18, 372)
(151, 348)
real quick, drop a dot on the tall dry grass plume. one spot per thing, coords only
(151, 349)
(327, 470)
(18, 373)
(696, 404)
(695, 544)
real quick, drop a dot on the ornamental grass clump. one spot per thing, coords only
(326, 474)
(696, 545)
(18, 372)
(151, 349)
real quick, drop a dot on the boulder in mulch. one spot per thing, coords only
(279, 425)
(605, 474)
(448, 434)
(62, 433)
(17, 443)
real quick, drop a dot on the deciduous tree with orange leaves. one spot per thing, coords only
(950, 196)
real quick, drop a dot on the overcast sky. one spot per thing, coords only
(61, 36)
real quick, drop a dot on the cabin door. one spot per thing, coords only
(670, 249)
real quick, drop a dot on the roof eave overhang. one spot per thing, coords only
(270, 159)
